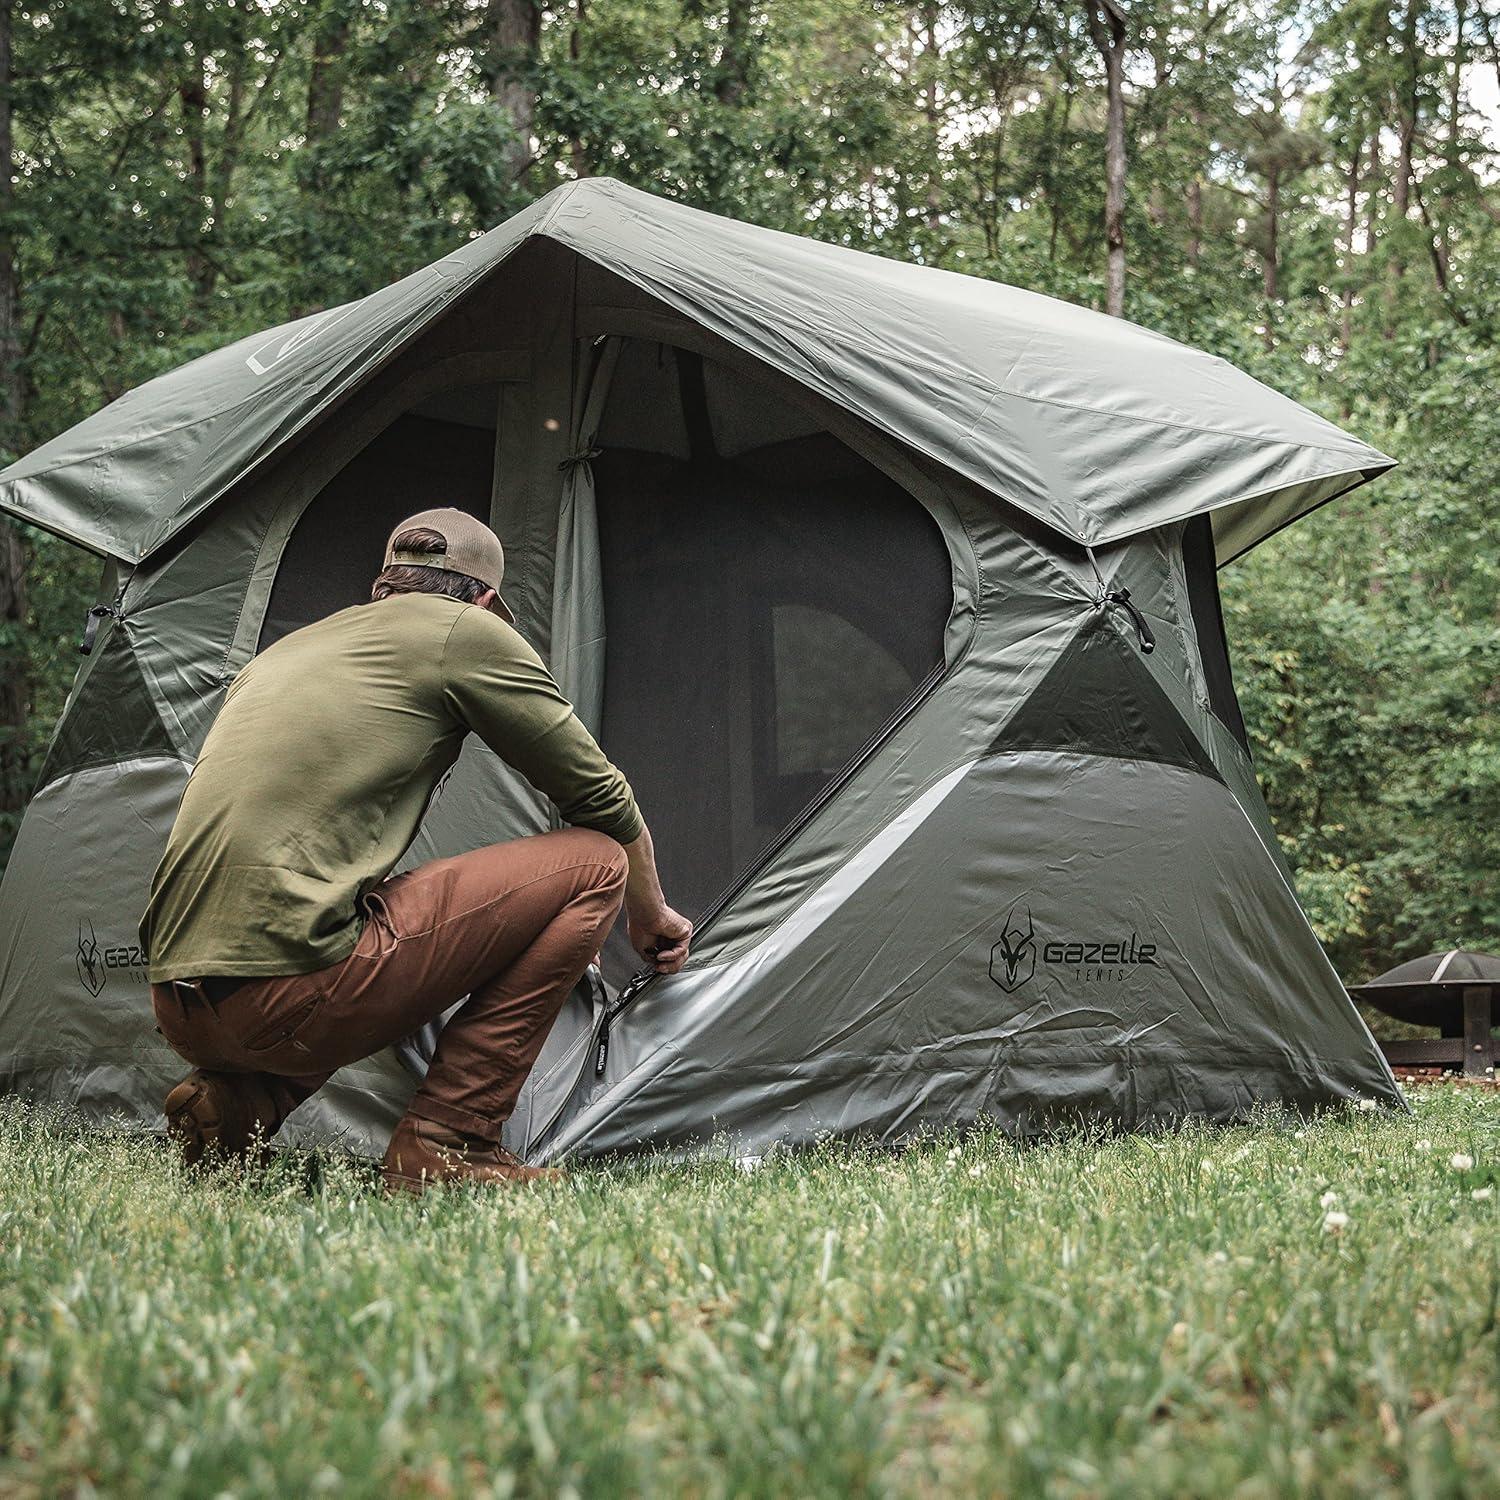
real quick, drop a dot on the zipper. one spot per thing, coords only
(642, 980)
(600, 997)
(623, 1001)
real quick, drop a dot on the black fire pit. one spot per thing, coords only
(1454, 991)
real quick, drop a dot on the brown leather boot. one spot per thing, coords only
(422, 1154)
(220, 1116)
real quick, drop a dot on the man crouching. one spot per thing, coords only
(281, 948)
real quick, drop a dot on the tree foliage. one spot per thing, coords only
(1309, 189)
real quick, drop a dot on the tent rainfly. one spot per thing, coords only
(891, 590)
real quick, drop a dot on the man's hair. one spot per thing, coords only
(411, 578)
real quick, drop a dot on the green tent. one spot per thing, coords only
(893, 592)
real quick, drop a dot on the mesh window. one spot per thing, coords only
(1200, 564)
(419, 461)
(765, 615)
(831, 681)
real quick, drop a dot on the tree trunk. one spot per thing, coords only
(1351, 228)
(1195, 194)
(325, 83)
(1271, 280)
(577, 150)
(1406, 130)
(325, 112)
(1454, 142)
(1054, 194)
(515, 44)
(1407, 115)
(931, 107)
(14, 683)
(1054, 197)
(12, 399)
(1201, 143)
(192, 93)
(1271, 252)
(1107, 27)
(732, 77)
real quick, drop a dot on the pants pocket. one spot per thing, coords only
(284, 1029)
(178, 1030)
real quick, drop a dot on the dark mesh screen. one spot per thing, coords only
(337, 546)
(1201, 566)
(765, 616)
(766, 613)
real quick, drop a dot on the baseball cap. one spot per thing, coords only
(473, 549)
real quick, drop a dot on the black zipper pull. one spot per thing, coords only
(91, 625)
(1143, 635)
(626, 997)
(114, 610)
(601, 1047)
(1121, 596)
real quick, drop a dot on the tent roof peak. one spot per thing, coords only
(1096, 427)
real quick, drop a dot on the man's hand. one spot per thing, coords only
(657, 932)
(661, 936)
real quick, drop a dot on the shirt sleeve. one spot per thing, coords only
(496, 686)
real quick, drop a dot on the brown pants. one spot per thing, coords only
(512, 926)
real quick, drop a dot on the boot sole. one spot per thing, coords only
(195, 1136)
(398, 1182)
(395, 1185)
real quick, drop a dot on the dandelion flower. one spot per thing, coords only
(1299, 1135)
(1335, 1222)
(1460, 1161)
(955, 1153)
(1368, 1106)
(1482, 1195)
(1328, 1199)
(976, 1170)
(1421, 1145)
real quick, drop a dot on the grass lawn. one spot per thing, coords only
(1185, 1315)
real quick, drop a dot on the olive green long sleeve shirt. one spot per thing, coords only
(317, 771)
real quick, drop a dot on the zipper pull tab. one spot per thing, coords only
(1143, 635)
(626, 995)
(91, 626)
(1121, 596)
(601, 1048)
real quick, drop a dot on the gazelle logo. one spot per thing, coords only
(1013, 958)
(94, 960)
(289, 341)
(89, 959)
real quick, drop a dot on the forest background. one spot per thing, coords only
(1309, 189)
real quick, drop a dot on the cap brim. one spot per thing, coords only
(502, 609)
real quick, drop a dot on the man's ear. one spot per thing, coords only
(487, 600)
